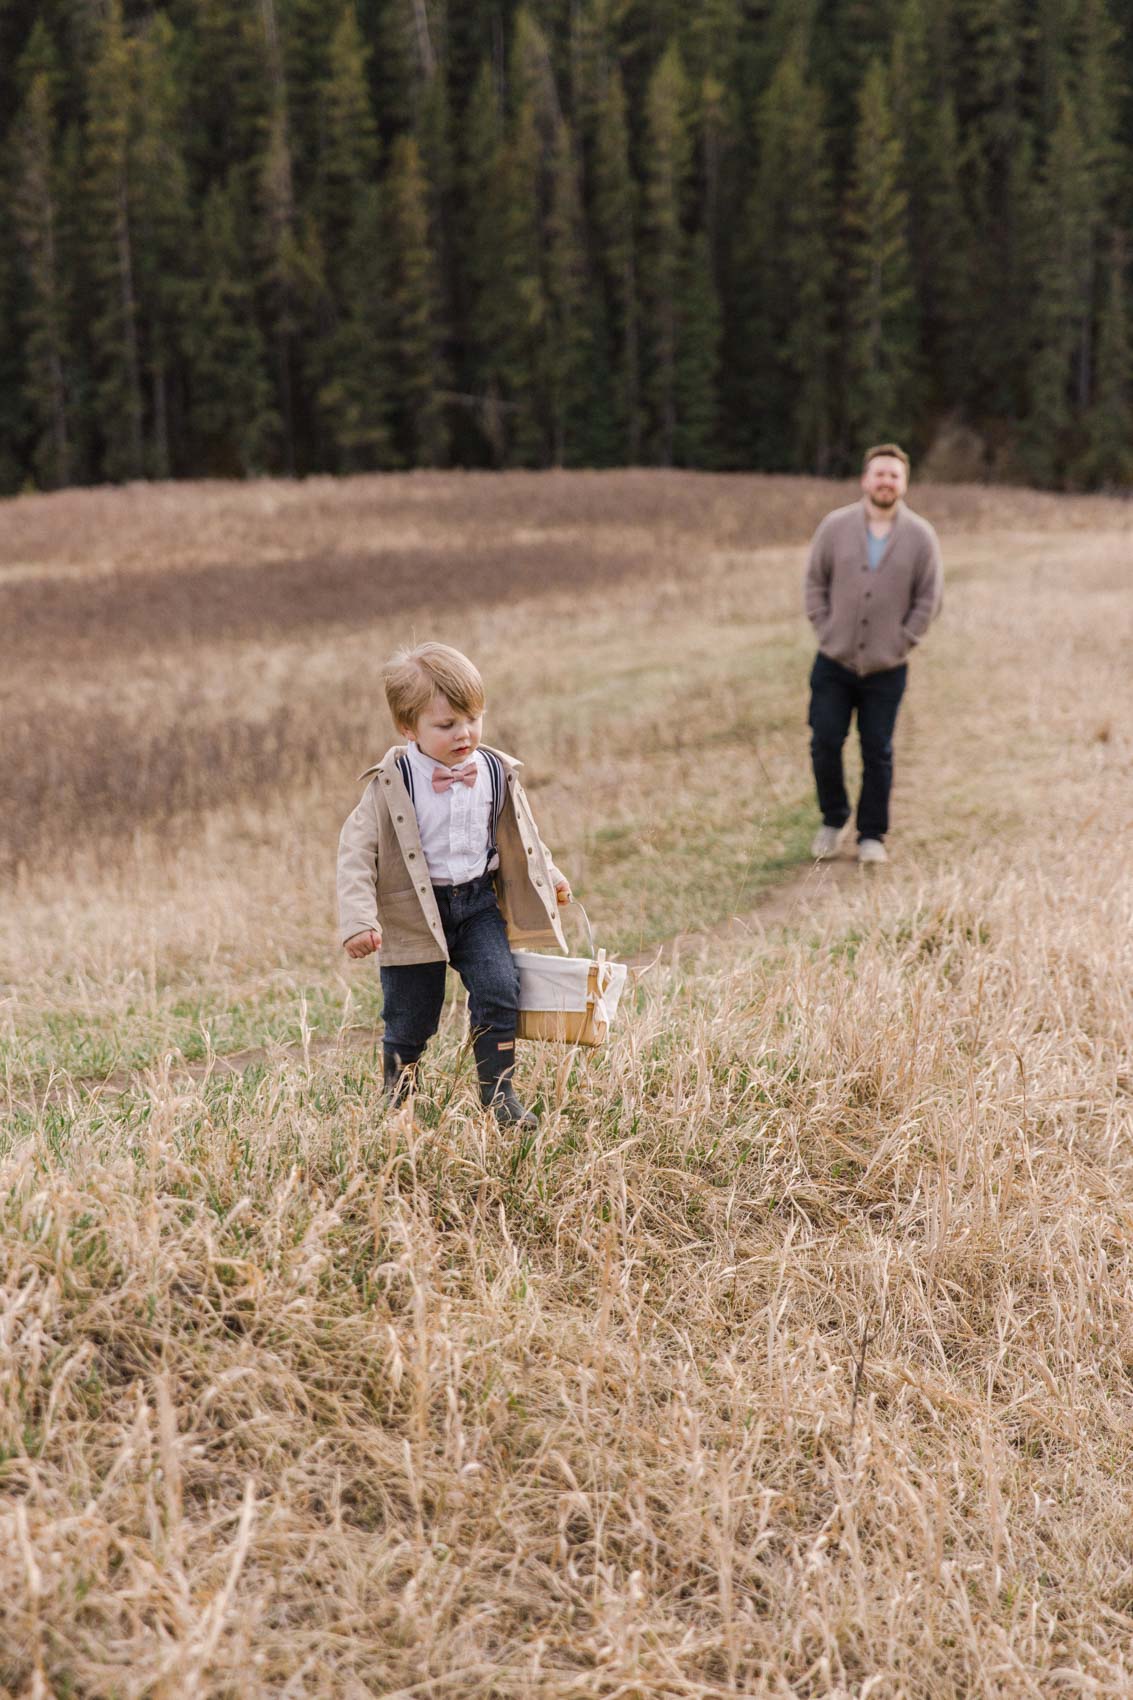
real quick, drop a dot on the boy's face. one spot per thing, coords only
(445, 733)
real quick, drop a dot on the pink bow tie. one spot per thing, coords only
(443, 777)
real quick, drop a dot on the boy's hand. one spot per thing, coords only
(563, 892)
(364, 944)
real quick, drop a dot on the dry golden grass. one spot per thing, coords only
(793, 1357)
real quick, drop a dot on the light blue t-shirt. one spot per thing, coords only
(877, 548)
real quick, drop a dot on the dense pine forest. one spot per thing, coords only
(296, 236)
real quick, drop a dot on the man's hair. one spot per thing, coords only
(893, 449)
(413, 677)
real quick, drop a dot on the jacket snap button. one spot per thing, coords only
(413, 855)
(401, 817)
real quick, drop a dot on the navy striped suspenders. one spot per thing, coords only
(499, 791)
(406, 773)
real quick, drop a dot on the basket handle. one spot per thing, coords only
(575, 904)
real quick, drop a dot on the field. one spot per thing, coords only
(793, 1356)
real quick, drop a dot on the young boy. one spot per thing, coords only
(441, 862)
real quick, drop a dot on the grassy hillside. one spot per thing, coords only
(794, 1355)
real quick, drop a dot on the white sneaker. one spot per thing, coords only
(825, 843)
(872, 850)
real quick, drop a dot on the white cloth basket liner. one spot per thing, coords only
(558, 983)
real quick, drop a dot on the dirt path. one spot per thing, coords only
(783, 904)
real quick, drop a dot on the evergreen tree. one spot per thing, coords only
(1109, 423)
(347, 255)
(162, 223)
(306, 27)
(593, 53)
(231, 84)
(997, 169)
(809, 250)
(404, 58)
(531, 78)
(898, 209)
(710, 48)
(940, 237)
(1098, 97)
(848, 39)
(288, 278)
(35, 210)
(514, 313)
(666, 183)
(944, 260)
(570, 325)
(710, 42)
(697, 373)
(782, 298)
(420, 380)
(473, 39)
(117, 401)
(348, 160)
(1051, 39)
(438, 164)
(773, 30)
(646, 31)
(524, 337)
(233, 423)
(615, 227)
(486, 310)
(880, 328)
(1060, 300)
(355, 395)
(14, 435)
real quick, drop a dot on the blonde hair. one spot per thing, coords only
(413, 677)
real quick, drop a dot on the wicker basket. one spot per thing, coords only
(570, 999)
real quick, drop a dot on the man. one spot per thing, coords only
(874, 582)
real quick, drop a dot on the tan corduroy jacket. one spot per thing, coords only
(870, 620)
(383, 880)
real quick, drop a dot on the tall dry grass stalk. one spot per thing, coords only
(792, 1357)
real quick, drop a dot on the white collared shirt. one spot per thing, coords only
(454, 824)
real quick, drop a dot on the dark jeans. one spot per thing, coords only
(835, 694)
(413, 995)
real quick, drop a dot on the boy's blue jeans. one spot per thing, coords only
(413, 995)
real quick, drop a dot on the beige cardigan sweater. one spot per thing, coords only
(383, 880)
(869, 620)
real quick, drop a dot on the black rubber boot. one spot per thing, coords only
(399, 1078)
(495, 1059)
